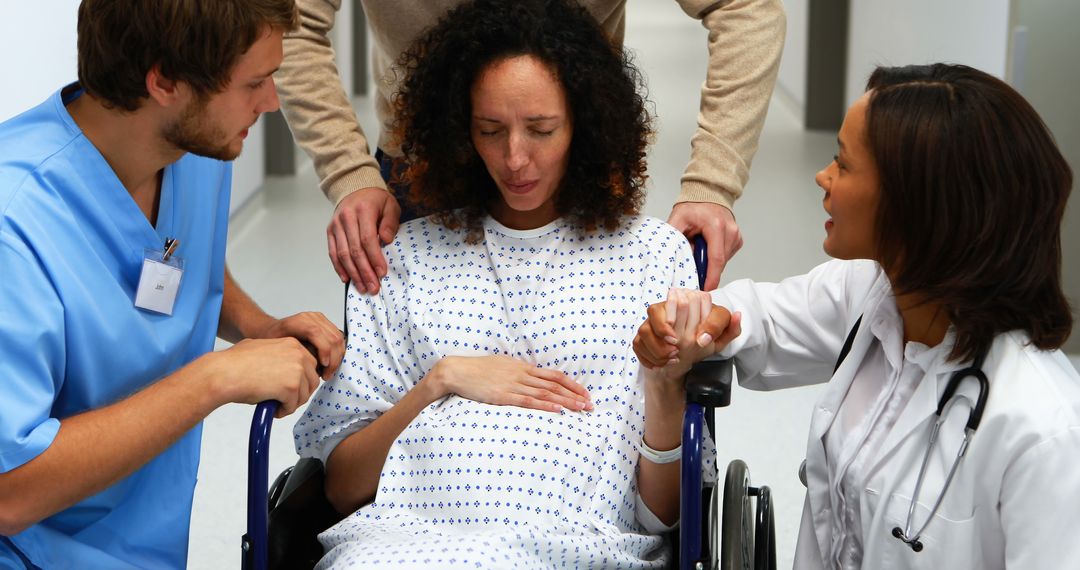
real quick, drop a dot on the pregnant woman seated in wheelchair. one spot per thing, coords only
(490, 411)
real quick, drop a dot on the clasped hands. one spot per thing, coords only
(681, 331)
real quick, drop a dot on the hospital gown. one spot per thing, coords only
(472, 485)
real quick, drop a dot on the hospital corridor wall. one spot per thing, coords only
(277, 245)
(38, 57)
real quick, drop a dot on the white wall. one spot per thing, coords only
(249, 169)
(791, 81)
(38, 56)
(1044, 70)
(891, 32)
(37, 52)
(343, 45)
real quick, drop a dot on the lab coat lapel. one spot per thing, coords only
(817, 476)
(837, 389)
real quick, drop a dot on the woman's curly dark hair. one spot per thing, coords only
(605, 171)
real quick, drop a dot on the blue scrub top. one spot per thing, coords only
(72, 244)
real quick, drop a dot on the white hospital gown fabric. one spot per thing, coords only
(471, 485)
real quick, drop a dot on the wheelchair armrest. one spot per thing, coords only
(297, 478)
(297, 517)
(709, 383)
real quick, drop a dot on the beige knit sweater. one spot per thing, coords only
(745, 40)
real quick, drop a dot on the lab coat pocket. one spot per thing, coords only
(946, 541)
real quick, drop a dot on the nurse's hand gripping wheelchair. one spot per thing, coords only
(284, 522)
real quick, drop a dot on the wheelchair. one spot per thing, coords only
(284, 519)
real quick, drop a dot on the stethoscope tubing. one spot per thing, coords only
(948, 399)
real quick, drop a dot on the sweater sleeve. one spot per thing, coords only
(317, 109)
(746, 38)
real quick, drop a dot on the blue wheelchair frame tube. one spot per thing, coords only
(690, 515)
(255, 547)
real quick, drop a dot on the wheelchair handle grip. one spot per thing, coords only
(701, 260)
(709, 383)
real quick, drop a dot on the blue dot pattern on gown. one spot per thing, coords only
(472, 485)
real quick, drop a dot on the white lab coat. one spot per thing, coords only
(1015, 499)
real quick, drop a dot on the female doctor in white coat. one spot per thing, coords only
(945, 205)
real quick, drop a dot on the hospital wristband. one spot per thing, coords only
(659, 457)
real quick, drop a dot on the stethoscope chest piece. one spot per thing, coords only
(914, 543)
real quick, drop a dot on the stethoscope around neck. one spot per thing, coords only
(948, 398)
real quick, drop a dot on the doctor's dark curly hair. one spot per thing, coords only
(605, 171)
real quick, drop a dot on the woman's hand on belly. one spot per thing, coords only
(506, 381)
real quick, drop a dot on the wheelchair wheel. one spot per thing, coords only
(713, 512)
(765, 533)
(737, 527)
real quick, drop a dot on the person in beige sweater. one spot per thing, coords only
(745, 40)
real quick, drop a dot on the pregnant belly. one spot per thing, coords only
(464, 463)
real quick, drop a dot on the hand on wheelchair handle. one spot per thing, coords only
(322, 339)
(255, 370)
(270, 407)
(320, 369)
(711, 224)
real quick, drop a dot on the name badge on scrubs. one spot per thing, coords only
(160, 279)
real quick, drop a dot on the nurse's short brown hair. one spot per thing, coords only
(194, 41)
(973, 191)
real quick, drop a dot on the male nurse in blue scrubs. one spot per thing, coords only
(114, 202)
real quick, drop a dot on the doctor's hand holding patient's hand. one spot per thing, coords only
(683, 330)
